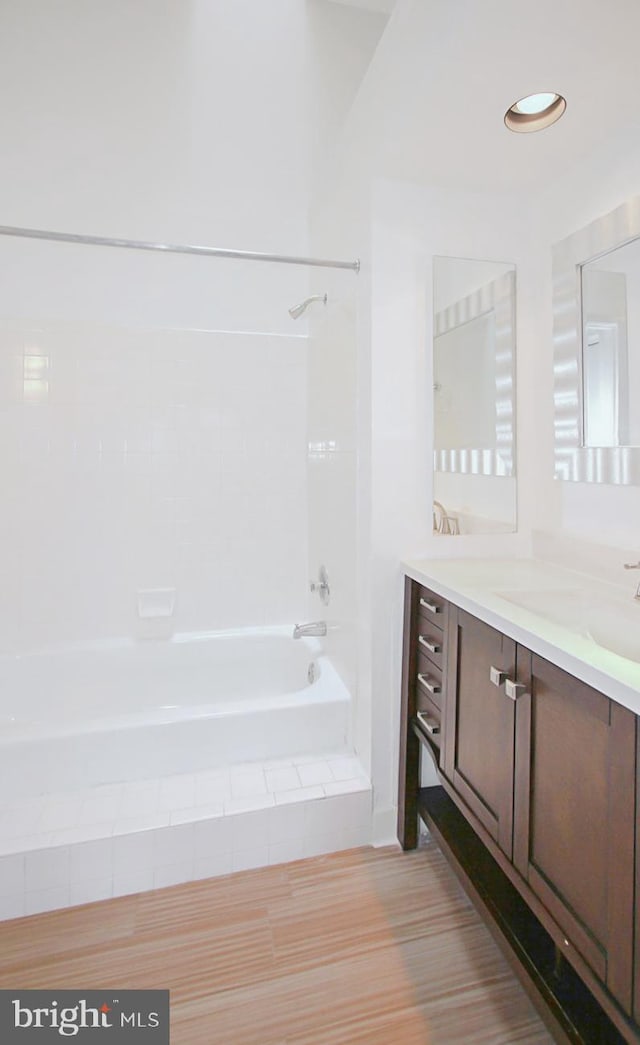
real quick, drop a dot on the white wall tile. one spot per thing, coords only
(248, 859)
(174, 845)
(284, 852)
(91, 860)
(142, 822)
(356, 836)
(339, 812)
(90, 891)
(286, 823)
(212, 838)
(173, 874)
(23, 818)
(319, 844)
(245, 805)
(248, 784)
(12, 906)
(132, 882)
(343, 787)
(195, 813)
(347, 768)
(46, 900)
(12, 874)
(140, 797)
(212, 866)
(250, 829)
(72, 835)
(125, 468)
(46, 869)
(315, 773)
(26, 843)
(282, 779)
(303, 794)
(133, 854)
(177, 792)
(212, 786)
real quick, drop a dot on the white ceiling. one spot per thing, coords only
(431, 106)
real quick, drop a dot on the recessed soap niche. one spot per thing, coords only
(156, 609)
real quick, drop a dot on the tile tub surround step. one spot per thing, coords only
(82, 816)
(164, 847)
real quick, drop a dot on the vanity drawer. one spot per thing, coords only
(429, 642)
(428, 716)
(428, 682)
(432, 608)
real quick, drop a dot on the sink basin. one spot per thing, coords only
(608, 621)
(565, 607)
(617, 632)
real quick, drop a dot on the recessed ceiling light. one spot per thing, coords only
(535, 112)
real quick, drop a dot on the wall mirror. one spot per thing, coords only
(474, 473)
(596, 330)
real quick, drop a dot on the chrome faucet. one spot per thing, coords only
(634, 566)
(317, 627)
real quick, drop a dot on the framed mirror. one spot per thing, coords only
(473, 396)
(596, 323)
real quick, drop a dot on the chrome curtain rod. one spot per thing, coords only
(174, 248)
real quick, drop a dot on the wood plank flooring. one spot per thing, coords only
(369, 946)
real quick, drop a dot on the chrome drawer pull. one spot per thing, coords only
(433, 647)
(512, 689)
(429, 724)
(431, 606)
(496, 676)
(432, 687)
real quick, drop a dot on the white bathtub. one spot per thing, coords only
(95, 714)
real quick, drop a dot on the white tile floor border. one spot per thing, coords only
(61, 850)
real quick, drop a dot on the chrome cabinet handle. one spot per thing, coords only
(433, 647)
(496, 676)
(429, 724)
(432, 687)
(431, 606)
(512, 689)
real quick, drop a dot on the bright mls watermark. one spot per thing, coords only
(85, 1016)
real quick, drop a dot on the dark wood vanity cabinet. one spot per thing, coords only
(543, 768)
(423, 660)
(574, 815)
(480, 723)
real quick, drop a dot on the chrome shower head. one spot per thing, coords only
(300, 309)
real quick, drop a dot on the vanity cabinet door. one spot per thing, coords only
(574, 815)
(480, 723)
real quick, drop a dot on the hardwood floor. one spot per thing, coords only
(368, 946)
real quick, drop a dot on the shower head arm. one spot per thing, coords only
(299, 310)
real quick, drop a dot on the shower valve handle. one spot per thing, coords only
(322, 585)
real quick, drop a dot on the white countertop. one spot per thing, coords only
(475, 585)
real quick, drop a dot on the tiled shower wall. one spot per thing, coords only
(136, 458)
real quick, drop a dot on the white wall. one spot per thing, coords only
(411, 224)
(181, 120)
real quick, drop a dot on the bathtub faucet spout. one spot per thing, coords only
(317, 627)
